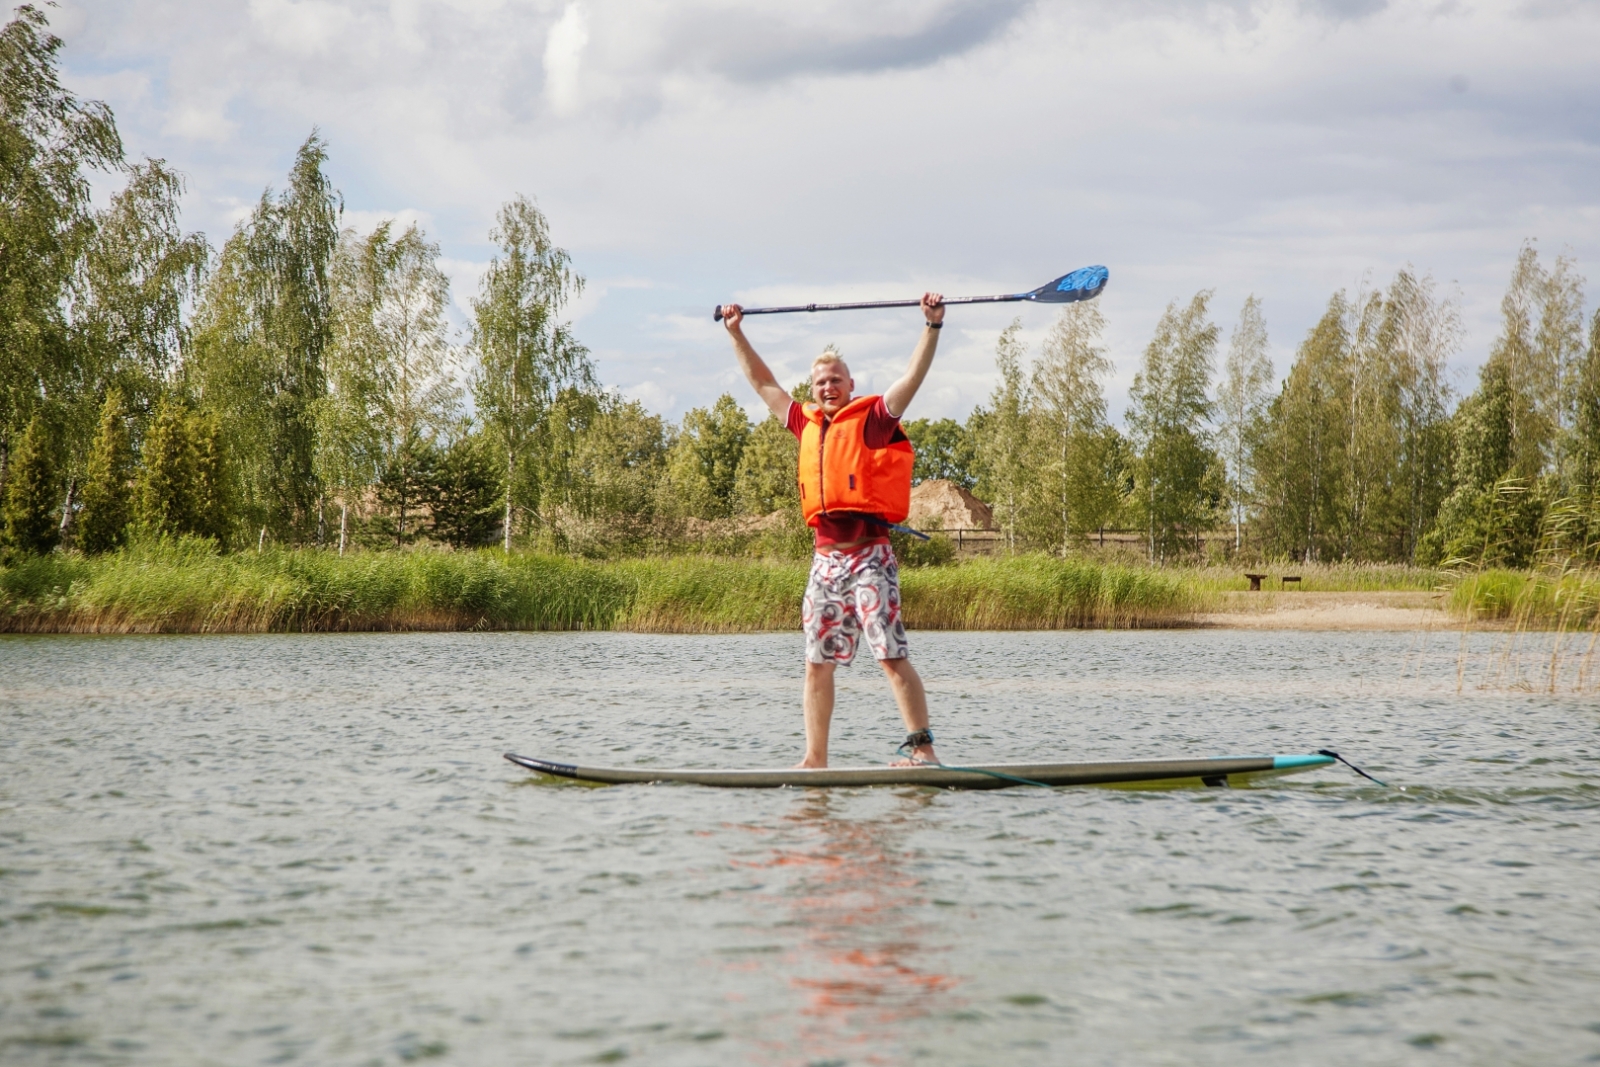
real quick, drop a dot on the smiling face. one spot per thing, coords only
(831, 384)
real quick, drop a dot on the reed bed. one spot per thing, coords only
(1548, 625)
(1566, 600)
(1046, 593)
(187, 587)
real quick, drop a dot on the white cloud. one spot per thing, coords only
(305, 27)
(563, 58)
(198, 122)
(721, 149)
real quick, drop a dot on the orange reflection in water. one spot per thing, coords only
(862, 963)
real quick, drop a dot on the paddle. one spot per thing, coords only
(1085, 283)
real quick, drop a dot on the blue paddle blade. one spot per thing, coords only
(1084, 283)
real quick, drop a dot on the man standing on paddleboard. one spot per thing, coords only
(855, 482)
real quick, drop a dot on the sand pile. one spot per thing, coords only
(941, 504)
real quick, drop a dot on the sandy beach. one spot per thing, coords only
(1295, 610)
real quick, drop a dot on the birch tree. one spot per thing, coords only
(1072, 494)
(1540, 342)
(389, 366)
(1178, 472)
(260, 337)
(1001, 433)
(1422, 332)
(1242, 402)
(1301, 465)
(50, 141)
(525, 354)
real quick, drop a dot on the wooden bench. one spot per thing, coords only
(1255, 581)
(1287, 578)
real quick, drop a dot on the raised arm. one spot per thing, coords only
(898, 396)
(755, 368)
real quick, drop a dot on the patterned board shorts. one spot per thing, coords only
(852, 592)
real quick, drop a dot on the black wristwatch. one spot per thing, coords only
(935, 325)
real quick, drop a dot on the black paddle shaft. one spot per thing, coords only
(716, 316)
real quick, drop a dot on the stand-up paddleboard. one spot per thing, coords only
(1127, 774)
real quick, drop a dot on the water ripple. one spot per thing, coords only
(306, 849)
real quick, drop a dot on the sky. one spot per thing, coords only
(693, 152)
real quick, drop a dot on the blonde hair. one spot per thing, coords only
(830, 354)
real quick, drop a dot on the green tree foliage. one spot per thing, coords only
(1492, 517)
(1001, 432)
(944, 450)
(139, 272)
(390, 391)
(464, 499)
(182, 485)
(704, 463)
(1180, 477)
(606, 493)
(1420, 333)
(1302, 460)
(49, 141)
(1540, 342)
(405, 485)
(212, 499)
(1242, 400)
(166, 502)
(107, 486)
(32, 522)
(1073, 489)
(525, 354)
(261, 334)
(1582, 474)
(1353, 462)
(766, 479)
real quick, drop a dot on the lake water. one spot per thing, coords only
(307, 849)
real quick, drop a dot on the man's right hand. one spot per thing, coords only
(732, 316)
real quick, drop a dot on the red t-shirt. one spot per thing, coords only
(881, 430)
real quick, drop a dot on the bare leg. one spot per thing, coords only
(913, 701)
(819, 713)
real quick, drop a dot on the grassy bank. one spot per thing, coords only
(1566, 601)
(1321, 577)
(185, 587)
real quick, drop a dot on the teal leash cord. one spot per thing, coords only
(992, 774)
(1334, 755)
(925, 737)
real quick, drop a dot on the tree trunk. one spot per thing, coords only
(511, 472)
(344, 514)
(400, 528)
(66, 508)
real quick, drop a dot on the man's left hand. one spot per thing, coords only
(933, 307)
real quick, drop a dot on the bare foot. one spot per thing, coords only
(921, 756)
(808, 764)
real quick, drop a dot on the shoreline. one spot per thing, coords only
(1312, 610)
(188, 587)
(1376, 611)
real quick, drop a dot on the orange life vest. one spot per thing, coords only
(838, 472)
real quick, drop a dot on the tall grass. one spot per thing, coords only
(1569, 600)
(1044, 593)
(187, 587)
(1550, 623)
